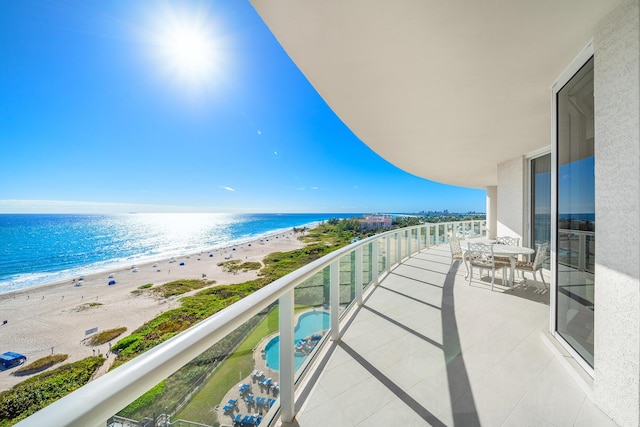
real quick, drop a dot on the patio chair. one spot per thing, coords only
(535, 266)
(480, 255)
(456, 250)
(506, 240)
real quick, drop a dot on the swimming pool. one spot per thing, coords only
(308, 323)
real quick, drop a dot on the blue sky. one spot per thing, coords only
(118, 106)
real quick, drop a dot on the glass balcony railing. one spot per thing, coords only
(243, 363)
(576, 249)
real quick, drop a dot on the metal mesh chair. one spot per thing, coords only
(506, 240)
(535, 266)
(456, 250)
(480, 255)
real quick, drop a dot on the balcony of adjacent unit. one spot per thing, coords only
(386, 331)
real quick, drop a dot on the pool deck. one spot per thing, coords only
(260, 364)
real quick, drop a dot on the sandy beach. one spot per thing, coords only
(55, 318)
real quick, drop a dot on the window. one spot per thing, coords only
(540, 168)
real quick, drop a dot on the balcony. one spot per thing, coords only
(410, 342)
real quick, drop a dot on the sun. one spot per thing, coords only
(185, 46)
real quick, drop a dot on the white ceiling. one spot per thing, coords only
(444, 89)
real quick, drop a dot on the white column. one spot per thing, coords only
(287, 367)
(492, 211)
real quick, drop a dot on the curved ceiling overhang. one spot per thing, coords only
(445, 90)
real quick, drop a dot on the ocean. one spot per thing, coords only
(36, 249)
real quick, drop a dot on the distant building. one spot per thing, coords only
(375, 221)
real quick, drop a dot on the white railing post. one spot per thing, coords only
(375, 263)
(388, 266)
(399, 246)
(428, 238)
(582, 252)
(287, 367)
(437, 227)
(334, 291)
(359, 272)
(409, 238)
(418, 239)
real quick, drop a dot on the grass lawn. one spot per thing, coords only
(226, 376)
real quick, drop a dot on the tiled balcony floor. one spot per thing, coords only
(428, 349)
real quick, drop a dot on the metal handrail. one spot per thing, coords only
(97, 401)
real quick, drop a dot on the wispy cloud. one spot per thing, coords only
(314, 188)
(224, 187)
(72, 206)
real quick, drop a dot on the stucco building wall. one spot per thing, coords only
(617, 190)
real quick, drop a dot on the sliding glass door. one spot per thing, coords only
(575, 238)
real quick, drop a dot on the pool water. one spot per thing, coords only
(308, 323)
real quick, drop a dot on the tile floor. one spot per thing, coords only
(427, 348)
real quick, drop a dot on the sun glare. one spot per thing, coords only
(185, 46)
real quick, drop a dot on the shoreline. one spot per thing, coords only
(56, 317)
(118, 265)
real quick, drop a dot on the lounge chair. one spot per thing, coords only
(237, 419)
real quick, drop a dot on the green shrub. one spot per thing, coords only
(105, 336)
(41, 364)
(180, 287)
(88, 305)
(43, 389)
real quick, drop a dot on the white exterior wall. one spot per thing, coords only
(511, 198)
(617, 189)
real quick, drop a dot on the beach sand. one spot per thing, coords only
(49, 319)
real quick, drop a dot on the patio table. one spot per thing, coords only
(505, 250)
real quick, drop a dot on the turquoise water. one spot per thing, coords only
(308, 323)
(42, 248)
